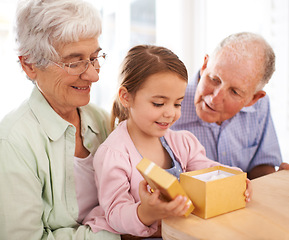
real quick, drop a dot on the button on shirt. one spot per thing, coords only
(245, 141)
(37, 183)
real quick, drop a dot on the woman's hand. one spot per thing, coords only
(152, 208)
(249, 191)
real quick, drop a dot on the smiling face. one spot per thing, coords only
(228, 83)
(66, 92)
(156, 105)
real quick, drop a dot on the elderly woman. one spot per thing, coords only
(47, 144)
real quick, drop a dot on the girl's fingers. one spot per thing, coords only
(143, 191)
(178, 206)
(248, 192)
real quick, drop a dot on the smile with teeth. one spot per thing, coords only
(162, 124)
(81, 88)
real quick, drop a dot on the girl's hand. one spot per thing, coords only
(249, 191)
(152, 208)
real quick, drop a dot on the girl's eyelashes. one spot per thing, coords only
(162, 104)
(158, 104)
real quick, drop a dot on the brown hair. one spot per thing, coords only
(141, 62)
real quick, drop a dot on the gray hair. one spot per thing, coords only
(43, 25)
(242, 42)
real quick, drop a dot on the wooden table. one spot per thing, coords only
(266, 217)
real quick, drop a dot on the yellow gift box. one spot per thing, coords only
(215, 190)
(167, 183)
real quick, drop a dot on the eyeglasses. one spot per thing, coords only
(79, 67)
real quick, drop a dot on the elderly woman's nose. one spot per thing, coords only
(91, 74)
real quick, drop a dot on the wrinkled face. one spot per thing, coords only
(156, 105)
(227, 84)
(63, 91)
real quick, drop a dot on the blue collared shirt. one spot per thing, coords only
(176, 168)
(246, 140)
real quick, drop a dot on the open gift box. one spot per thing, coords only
(215, 190)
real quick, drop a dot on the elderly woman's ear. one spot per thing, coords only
(28, 68)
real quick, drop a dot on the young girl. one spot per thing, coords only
(153, 83)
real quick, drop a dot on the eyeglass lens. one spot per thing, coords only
(80, 67)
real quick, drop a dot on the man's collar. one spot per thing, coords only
(249, 109)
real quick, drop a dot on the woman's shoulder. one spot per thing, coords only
(21, 131)
(97, 118)
(15, 121)
(95, 110)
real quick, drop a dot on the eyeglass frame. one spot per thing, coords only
(92, 62)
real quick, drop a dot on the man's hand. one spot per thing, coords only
(284, 166)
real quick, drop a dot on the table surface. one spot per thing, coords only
(265, 217)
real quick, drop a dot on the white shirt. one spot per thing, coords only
(86, 192)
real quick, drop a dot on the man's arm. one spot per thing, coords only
(260, 170)
(263, 169)
(268, 154)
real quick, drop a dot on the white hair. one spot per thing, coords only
(42, 25)
(241, 44)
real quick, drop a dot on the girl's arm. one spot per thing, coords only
(118, 195)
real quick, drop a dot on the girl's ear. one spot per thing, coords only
(28, 68)
(124, 96)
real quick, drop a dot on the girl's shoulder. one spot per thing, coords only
(118, 136)
(180, 137)
(179, 134)
(119, 140)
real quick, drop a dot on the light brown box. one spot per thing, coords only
(215, 197)
(167, 183)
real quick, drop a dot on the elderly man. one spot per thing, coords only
(227, 109)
